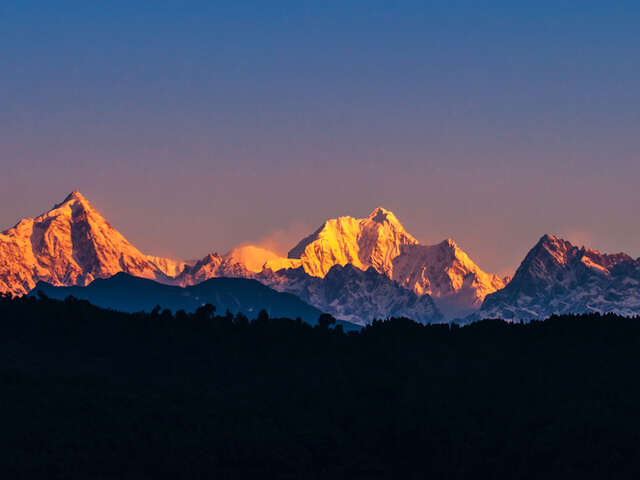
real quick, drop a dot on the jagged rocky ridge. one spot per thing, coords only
(354, 295)
(241, 262)
(558, 277)
(378, 241)
(72, 244)
(443, 271)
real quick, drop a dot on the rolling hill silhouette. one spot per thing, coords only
(127, 293)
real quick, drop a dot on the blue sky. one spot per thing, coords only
(200, 125)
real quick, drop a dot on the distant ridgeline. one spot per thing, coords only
(94, 393)
(126, 293)
(73, 244)
(355, 269)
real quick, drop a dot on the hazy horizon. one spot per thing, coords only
(200, 128)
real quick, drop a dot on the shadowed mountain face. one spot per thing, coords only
(557, 277)
(126, 293)
(354, 295)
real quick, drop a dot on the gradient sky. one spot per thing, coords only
(195, 128)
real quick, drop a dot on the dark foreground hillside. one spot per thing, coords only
(87, 393)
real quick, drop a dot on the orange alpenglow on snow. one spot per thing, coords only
(73, 244)
(255, 259)
(373, 241)
(380, 241)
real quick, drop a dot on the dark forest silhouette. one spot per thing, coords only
(93, 393)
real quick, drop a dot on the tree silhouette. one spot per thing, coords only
(206, 312)
(325, 321)
(93, 393)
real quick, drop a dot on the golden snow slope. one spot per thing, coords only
(373, 241)
(380, 241)
(255, 259)
(70, 245)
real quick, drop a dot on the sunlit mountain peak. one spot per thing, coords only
(71, 244)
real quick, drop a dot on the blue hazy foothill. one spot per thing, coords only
(126, 293)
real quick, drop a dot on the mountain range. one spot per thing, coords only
(356, 269)
(127, 293)
(354, 295)
(557, 277)
(379, 241)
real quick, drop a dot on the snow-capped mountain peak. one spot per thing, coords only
(76, 196)
(71, 244)
(554, 247)
(381, 215)
(380, 241)
(372, 241)
(445, 272)
(559, 277)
